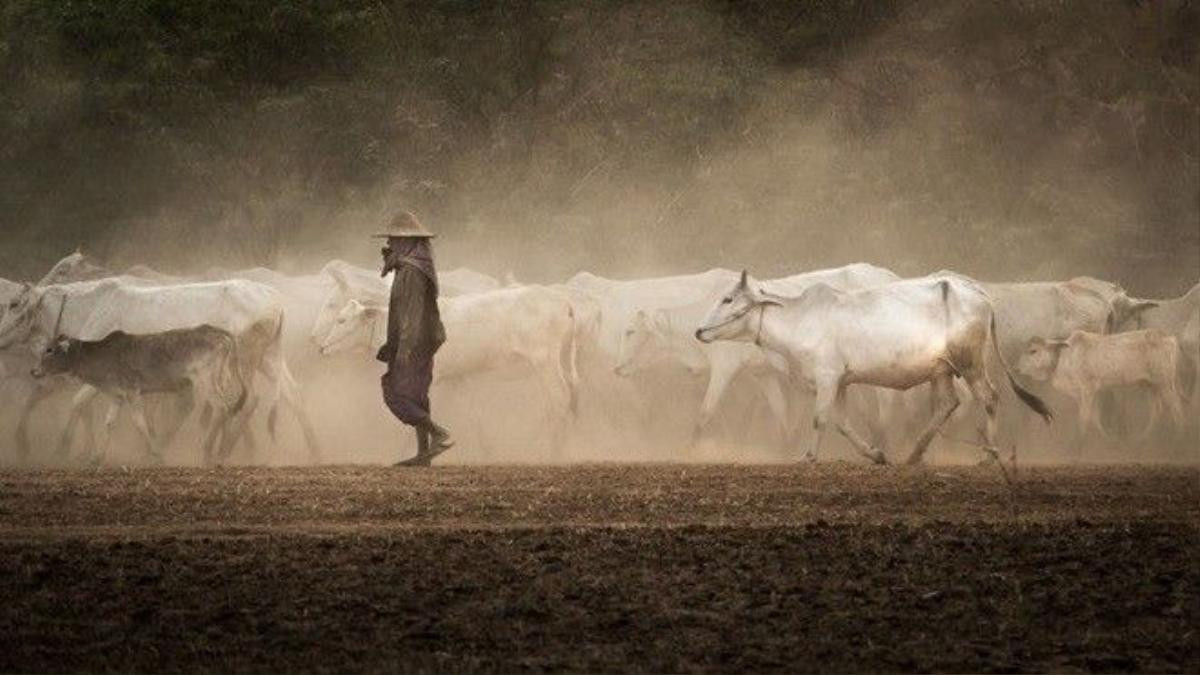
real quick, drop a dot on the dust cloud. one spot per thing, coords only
(1006, 141)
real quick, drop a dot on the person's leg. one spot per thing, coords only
(439, 437)
(422, 432)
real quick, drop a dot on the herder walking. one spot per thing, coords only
(414, 333)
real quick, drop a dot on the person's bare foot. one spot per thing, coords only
(424, 459)
(440, 440)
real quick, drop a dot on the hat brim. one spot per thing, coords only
(400, 235)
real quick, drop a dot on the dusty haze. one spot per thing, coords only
(1009, 140)
(1004, 140)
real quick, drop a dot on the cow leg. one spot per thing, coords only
(110, 425)
(210, 438)
(1086, 405)
(41, 392)
(945, 402)
(557, 392)
(879, 423)
(719, 377)
(842, 423)
(289, 393)
(777, 402)
(1174, 405)
(983, 392)
(80, 404)
(88, 415)
(243, 428)
(823, 407)
(137, 410)
(185, 403)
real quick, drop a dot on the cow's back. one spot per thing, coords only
(1049, 310)
(1097, 361)
(234, 306)
(618, 301)
(159, 362)
(847, 278)
(486, 331)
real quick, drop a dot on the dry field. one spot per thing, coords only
(833, 567)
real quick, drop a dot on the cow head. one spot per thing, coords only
(57, 358)
(1126, 313)
(352, 327)
(648, 340)
(729, 319)
(335, 303)
(77, 266)
(18, 318)
(1040, 358)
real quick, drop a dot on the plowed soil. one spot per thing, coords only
(833, 567)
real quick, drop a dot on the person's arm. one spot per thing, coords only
(407, 315)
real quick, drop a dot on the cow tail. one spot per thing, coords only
(283, 379)
(569, 358)
(1027, 397)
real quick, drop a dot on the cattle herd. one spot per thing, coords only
(237, 354)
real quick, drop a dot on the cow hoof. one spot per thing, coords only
(913, 460)
(880, 458)
(809, 457)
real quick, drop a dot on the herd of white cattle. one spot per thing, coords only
(856, 345)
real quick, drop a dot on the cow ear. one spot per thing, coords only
(1057, 344)
(339, 280)
(767, 299)
(1139, 306)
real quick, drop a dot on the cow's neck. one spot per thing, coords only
(778, 330)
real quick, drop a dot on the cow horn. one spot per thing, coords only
(58, 322)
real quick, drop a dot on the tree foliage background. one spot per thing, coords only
(1007, 139)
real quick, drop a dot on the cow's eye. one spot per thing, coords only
(726, 301)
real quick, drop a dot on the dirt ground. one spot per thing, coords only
(832, 567)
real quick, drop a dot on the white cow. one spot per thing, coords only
(617, 302)
(92, 310)
(1177, 317)
(351, 282)
(301, 297)
(1049, 309)
(1085, 364)
(667, 335)
(897, 336)
(532, 327)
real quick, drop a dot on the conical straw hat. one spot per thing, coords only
(404, 224)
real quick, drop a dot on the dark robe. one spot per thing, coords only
(414, 331)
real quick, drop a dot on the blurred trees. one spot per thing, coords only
(624, 136)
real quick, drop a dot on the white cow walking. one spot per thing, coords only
(1086, 364)
(92, 310)
(1177, 317)
(667, 335)
(897, 336)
